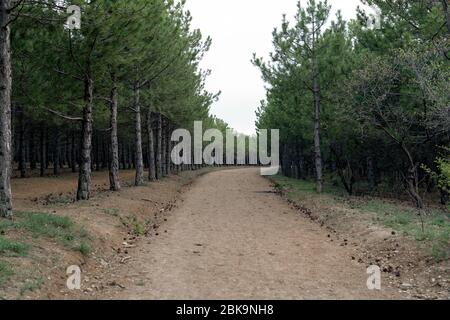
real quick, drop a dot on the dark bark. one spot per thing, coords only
(316, 90)
(370, 173)
(73, 154)
(43, 152)
(56, 151)
(164, 148)
(412, 178)
(114, 150)
(446, 14)
(129, 158)
(84, 176)
(32, 149)
(317, 144)
(97, 152)
(5, 112)
(159, 147)
(151, 147)
(169, 150)
(22, 148)
(344, 169)
(139, 160)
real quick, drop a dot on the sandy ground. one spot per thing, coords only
(233, 238)
(36, 187)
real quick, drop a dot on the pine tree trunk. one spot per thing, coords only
(317, 144)
(446, 14)
(151, 147)
(139, 161)
(370, 173)
(22, 149)
(129, 157)
(5, 112)
(159, 148)
(43, 152)
(97, 152)
(168, 150)
(114, 164)
(32, 149)
(164, 149)
(84, 176)
(56, 153)
(73, 154)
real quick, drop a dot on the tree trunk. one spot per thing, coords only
(139, 161)
(159, 148)
(370, 174)
(446, 14)
(317, 110)
(151, 147)
(97, 152)
(5, 112)
(114, 155)
(73, 154)
(168, 150)
(56, 153)
(412, 179)
(84, 176)
(22, 149)
(317, 146)
(43, 152)
(32, 149)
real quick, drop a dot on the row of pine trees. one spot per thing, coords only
(106, 95)
(363, 103)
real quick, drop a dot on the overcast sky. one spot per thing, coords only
(238, 29)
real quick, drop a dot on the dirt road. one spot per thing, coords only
(232, 238)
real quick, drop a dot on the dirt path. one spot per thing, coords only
(232, 238)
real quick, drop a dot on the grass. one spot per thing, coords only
(132, 223)
(112, 212)
(59, 200)
(402, 218)
(31, 286)
(61, 229)
(10, 248)
(295, 186)
(435, 229)
(35, 224)
(5, 272)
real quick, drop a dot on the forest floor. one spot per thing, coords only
(223, 235)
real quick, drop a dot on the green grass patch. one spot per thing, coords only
(31, 286)
(5, 272)
(58, 200)
(61, 229)
(112, 212)
(285, 184)
(84, 248)
(432, 228)
(132, 223)
(10, 248)
(404, 219)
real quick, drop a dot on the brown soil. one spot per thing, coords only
(108, 217)
(233, 238)
(406, 263)
(229, 236)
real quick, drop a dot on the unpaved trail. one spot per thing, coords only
(232, 238)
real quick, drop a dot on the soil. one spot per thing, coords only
(233, 238)
(228, 235)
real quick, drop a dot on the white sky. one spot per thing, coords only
(238, 29)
